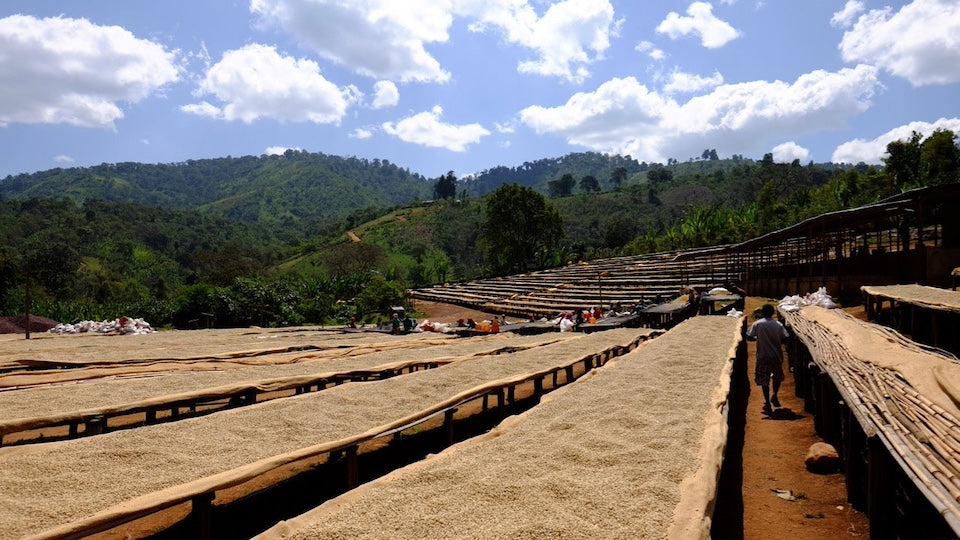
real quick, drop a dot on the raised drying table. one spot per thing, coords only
(928, 314)
(632, 450)
(81, 486)
(890, 406)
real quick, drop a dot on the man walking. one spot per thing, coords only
(769, 335)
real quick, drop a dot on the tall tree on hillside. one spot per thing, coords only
(902, 164)
(518, 222)
(446, 186)
(939, 158)
(562, 187)
(9, 276)
(659, 176)
(618, 177)
(589, 184)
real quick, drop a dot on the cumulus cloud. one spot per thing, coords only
(387, 39)
(650, 50)
(700, 20)
(257, 82)
(873, 151)
(360, 133)
(71, 71)
(63, 158)
(569, 35)
(383, 39)
(789, 151)
(848, 15)
(385, 94)
(689, 83)
(625, 117)
(427, 129)
(280, 150)
(918, 43)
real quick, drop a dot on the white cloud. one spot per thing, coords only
(257, 82)
(384, 39)
(625, 117)
(62, 158)
(360, 133)
(426, 129)
(280, 150)
(918, 43)
(203, 108)
(385, 94)
(387, 39)
(701, 21)
(789, 151)
(873, 151)
(845, 17)
(71, 71)
(504, 128)
(650, 50)
(569, 35)
(689, 83)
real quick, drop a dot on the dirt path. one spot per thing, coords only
(773, 459)
(449, 313)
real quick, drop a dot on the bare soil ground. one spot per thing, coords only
(449, 313)
(773, 459)
(16, 324)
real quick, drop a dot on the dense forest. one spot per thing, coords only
(298, 190)
(310, 238)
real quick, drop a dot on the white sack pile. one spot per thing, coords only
(123, 325)
(819, 298)
(429, 326)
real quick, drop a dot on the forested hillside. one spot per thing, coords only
(301, 238)
(296, 189)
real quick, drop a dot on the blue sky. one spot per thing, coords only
(465, 85)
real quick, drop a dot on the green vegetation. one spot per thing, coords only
(519, 223)
(264, 240)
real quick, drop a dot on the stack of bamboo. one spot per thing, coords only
(909, 392)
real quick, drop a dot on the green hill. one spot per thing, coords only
(308, 237)
(297, 188)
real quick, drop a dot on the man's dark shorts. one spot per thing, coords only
(767, 368)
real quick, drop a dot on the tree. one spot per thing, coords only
(379, 296)
(563, 187)
(939, 158)
(589, 184)
(902, 164)
(618, 177)
(659, 176)
(446, 186)
(518, 222)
